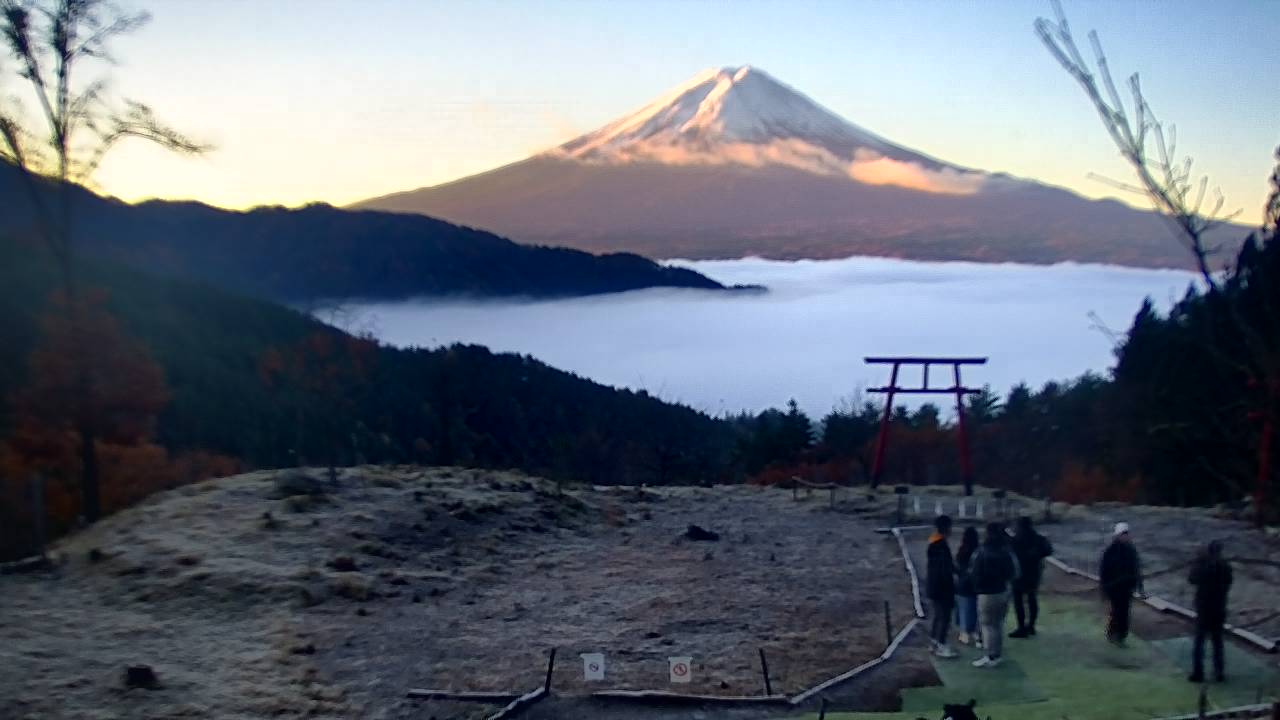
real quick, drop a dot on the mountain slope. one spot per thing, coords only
(322, 253)
(460, 404)
(734, 163)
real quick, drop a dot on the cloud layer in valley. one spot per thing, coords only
(806, 338)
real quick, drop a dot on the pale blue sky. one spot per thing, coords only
(337, 101)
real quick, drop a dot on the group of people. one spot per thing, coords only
(975, 585)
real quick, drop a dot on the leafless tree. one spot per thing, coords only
(73, 124)
(58, 141)
(1167, 180)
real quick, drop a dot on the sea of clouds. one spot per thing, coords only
(807, 336)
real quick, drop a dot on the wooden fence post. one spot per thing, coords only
(551, 666)
(38, 513)
(888, 625)
(764, 668)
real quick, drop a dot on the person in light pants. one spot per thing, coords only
(966, 598)
(993, 568)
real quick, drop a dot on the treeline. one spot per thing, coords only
(1031, 441)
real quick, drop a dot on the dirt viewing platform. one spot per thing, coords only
(284, 594)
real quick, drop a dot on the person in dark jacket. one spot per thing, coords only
(966, 598)
(940, 586)
(992, 569)
(1120, 576)
(1031, 548)
(1211, 575)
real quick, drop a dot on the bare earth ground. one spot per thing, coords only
(350, 593)
(439, 578)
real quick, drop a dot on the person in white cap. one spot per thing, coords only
(1120, 576)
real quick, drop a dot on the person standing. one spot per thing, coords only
(1120, 576)
(992, 569)
(966, 598)
(1211, 576)
(940, 586)
(1031, 548)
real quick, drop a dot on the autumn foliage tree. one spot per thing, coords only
(112, 403)
(322, 379)
(59, 140)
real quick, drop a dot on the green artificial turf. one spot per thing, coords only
(961, 681)
(1070, 671)
(1248, 676)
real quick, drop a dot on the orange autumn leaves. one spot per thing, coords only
(90, 387)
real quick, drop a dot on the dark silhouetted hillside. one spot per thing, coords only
(320, 252)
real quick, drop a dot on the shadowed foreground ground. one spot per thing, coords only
(285, 595)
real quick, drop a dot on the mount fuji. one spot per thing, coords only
(735, 163)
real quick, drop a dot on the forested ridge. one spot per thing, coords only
(320, 253)
(244, 383)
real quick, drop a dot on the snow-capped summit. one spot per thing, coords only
(738, 115)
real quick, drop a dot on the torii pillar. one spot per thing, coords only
(958, 389)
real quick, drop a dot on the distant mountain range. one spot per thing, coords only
(735, 163)
(322, 253)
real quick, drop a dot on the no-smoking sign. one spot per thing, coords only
(681, 669)
(593, 666)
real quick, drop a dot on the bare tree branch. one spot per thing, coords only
(79, 124)
(1164, 179)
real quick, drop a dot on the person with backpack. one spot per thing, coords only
(1211, 576)
(966, 598)
(940, 587)
(1120, 576)
(1031, 548)
(993, 568)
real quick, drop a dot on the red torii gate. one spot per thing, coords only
(958, 389)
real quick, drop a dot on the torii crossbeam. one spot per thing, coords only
(892, 389)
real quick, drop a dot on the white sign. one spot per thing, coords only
(681, 669)
(592, 666)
